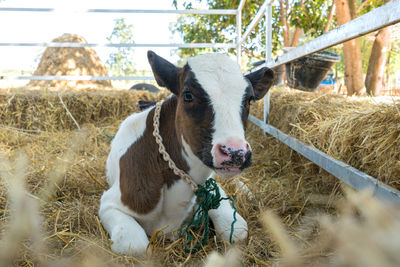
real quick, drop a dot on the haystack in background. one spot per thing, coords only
(65, 175)
(70, 61)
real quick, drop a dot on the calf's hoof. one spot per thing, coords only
(127, 243)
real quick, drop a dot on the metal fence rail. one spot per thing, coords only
(115, 45)
(128, 11)
(76, 78)
(376, 19)
(194, 45)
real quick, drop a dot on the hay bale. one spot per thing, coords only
(358, 131)
(70, 61)
(51, 111)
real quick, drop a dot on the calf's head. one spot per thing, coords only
(213, 104)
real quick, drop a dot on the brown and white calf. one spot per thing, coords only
(202, 125)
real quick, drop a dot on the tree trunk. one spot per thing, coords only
(297, 31)
(357, 72)
(330, 16)
(353, 9)
(351, 51)
(377, 62)
(286, 41)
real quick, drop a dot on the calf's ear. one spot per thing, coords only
(165, 73)
(261, 80)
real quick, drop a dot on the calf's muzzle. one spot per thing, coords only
(232, 156)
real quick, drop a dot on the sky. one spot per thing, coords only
(94, 27)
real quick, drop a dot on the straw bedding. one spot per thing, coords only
(54, 222)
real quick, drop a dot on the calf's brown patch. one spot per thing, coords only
(143, 172)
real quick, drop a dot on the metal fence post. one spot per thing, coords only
(268, 55)
(238, 37)
(239, 31)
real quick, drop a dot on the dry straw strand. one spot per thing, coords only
(69, 113)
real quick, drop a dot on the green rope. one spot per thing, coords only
(109, 136)
(234, 217)
(209, 198)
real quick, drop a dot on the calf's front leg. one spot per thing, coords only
(127, 235)
(222, 218)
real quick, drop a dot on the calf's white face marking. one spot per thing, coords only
(226, 87)
(213, 105)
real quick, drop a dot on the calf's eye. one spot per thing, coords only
(187, 96)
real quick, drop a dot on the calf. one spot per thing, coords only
(202, 125)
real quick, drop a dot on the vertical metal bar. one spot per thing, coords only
(266, 107)
(268, 34)
(239, 35)
(268, 55)
(241, 5)
(239, 31)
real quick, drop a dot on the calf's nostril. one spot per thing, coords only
(232, 153)
(237, 157)
(224, 150)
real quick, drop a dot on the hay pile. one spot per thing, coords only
(64, 173)
(359, 131)
(47, 110)
(70, 61)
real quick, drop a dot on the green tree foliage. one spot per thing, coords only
(311, 18)
(365, 6)
(120, 62)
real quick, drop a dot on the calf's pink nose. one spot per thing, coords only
(231, 153)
